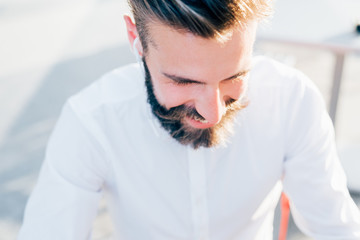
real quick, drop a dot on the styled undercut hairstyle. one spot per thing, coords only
(204, 18)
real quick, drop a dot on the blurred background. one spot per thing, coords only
(50, 49)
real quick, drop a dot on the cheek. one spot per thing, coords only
(170, 95)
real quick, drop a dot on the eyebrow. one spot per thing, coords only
(180, 79)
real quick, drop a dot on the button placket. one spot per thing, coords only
(198, 193)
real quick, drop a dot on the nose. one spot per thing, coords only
(211, 105)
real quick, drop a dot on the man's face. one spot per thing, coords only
(195, 85)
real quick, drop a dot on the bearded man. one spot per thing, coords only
(196, 141)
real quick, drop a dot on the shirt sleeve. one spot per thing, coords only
(313, 176)
(64, 202)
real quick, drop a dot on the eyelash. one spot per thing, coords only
(181, 83)
(238, 79)
(184, 83)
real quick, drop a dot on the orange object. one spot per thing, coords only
(285, 214)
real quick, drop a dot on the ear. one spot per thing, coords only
(132, 34)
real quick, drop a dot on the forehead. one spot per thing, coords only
(178, 51)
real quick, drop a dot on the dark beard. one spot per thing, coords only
(172, 120)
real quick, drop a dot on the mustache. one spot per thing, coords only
(180, 112)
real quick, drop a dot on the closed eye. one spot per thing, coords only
(238, 77)
(182, 81)
(235, 80)
(185, 81)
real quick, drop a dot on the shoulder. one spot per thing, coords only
(118, 87)
(267, 72)
(273, 78)
(90, 115)
(281, 78)
(282, 95)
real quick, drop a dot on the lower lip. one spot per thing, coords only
(197, 124)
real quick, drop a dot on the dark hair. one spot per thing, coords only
(204, 18)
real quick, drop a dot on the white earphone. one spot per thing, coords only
(134, 49)
(137, 54)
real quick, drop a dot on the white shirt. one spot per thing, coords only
(107, 140)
